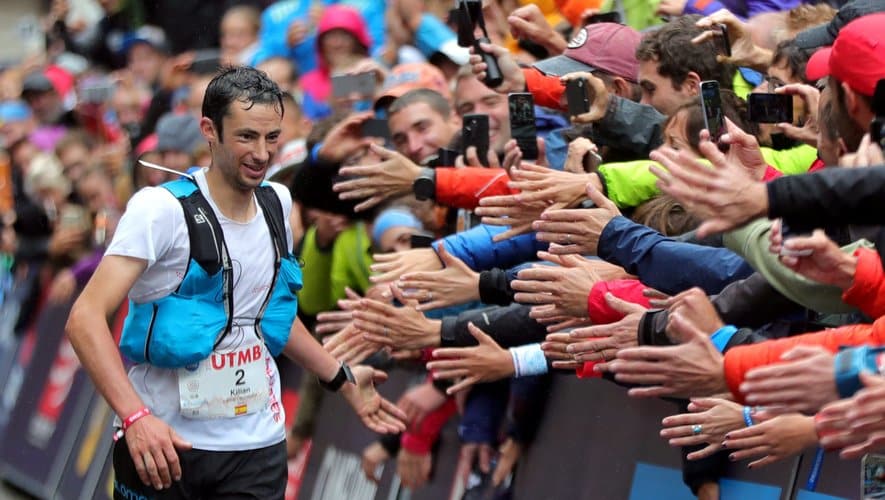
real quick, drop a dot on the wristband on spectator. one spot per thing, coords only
(748, 417)
(135, 417)
(721, 337)
(850, 363)
(528, 360)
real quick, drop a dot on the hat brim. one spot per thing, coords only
(812, 38)
(561, 65)
(818, 65)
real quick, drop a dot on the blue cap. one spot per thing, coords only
(390, 218)
(14, 111)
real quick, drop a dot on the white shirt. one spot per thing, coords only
(153, 229)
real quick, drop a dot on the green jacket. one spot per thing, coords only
(328, 273)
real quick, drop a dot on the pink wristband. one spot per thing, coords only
(131, 419)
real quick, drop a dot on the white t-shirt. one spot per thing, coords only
(153, 229)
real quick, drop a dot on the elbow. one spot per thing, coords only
(76, 318)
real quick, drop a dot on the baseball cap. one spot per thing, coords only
(825, 34)
(51, 78)
(147, 34)
(856, 58)
(178, 133)
(406, 77)
(609, 47)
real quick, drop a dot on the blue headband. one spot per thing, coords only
(390, 218)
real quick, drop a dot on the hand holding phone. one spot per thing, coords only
(522, 123)
(711, 103)
(770, 108)
(475, 132)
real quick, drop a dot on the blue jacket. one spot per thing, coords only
(476, 248)
(667, 265)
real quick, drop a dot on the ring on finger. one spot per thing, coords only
(697, 429)
(429, 296)
(568, 239)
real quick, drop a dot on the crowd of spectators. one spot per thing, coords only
(737, 276)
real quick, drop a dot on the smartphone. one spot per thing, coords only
(605, 17)
(770, 108)
(361, 84)
(421, 239)
(522, 123)
(724, 42)
(206, 62)
(578, 95)
(95, 90)
(714, 120)
(877, 126)
(475, 132)
(872, 476)
(469, 12)
(787, 233)
(376, 127)
(446, 157)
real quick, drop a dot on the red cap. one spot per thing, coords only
(857, 57)
(609, 47)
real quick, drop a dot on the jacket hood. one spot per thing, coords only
(346, 18)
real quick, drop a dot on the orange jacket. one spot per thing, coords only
(865, 293)
(464, 187)
(547, 90)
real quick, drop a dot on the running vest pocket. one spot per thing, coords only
(180, 328)
(276, 323)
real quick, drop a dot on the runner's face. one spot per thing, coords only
(249, 142)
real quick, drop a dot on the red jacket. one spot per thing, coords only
(600, 313)
(419, 438)
(547, 90)
(464, 187)
(865, 293)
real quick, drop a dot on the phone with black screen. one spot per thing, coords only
(770, 108)
(375, 127)
(724, 41)
(578, 95)
(522, 123)
(475, 132)
(711, 103)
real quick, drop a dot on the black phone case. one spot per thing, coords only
(475, 132)
(576, 97)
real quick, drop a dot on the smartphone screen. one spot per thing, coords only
(522, 123)
(475, 132)
(770, 108)
(362, 85)
(376, 127)
(421, 240)
(714, 121)
(724, 42)
(606, 17)
(577, 95)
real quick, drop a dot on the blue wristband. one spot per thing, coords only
(315, 152)
(748, 418)
(848, 365)
(721, 337)
(528, 360)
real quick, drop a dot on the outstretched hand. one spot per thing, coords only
(377, 413)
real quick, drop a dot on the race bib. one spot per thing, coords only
(227, 384)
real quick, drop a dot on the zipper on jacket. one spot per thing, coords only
(150, 333)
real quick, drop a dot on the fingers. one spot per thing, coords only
(462, 384)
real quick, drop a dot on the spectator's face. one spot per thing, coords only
(279, 71)
(339, 48)
(675, 135)
(47, 106)
(176, 160)
(418, 131)
(247, 145)
(96, 192)
(658, 91)
(74, 160)
(396, 239)
(472, 97)
(144, 62)
(237, 34)
(128, 106)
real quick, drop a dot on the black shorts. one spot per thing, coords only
(259, 474)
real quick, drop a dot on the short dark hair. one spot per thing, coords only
(671, 47)
(849, 131)
(430, 97)
(239, 83)
(795, 57)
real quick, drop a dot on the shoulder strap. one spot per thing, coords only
(203, 229)
(273, 216)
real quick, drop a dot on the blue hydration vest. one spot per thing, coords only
(184, 327)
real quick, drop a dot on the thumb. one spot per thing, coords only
(542, 152)
(598, 198)
(445, 256)
(479, 335)
(383, 152)
(621, 306)
(571, 260)
(704, 403)
(379, 376)
(178, 442)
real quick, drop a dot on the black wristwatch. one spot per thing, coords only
(344, 375)
(424, 186)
